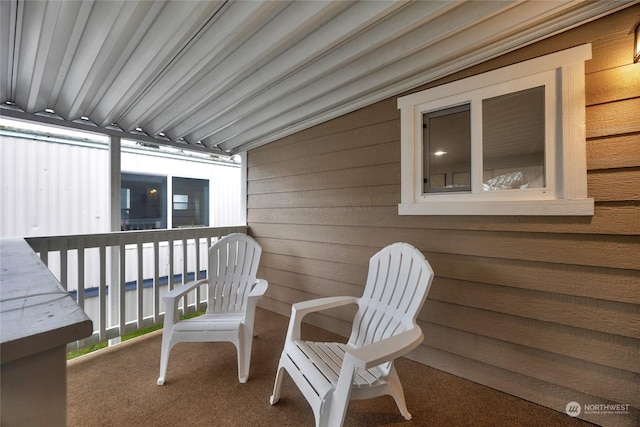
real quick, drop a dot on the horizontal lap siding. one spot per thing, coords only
(545, 308)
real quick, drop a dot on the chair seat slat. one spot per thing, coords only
(327, 358)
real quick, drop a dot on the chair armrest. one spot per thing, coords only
(171, 300)
(254, 296)
(301, 309)
(386, 350)
(305, 307)
(182, 290)
(259, 289)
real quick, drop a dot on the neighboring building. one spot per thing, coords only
(54, 182)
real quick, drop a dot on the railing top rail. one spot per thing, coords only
(75, 241)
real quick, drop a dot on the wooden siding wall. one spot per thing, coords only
(544, 308)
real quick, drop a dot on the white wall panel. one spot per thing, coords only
(53, 188)
(50, 188)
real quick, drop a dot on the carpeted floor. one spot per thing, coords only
(117, 387)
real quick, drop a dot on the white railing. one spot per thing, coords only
(118, 278)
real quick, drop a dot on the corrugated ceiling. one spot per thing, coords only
(226, 76)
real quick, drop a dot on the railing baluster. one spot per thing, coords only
(197, 273)
(171, 267)
(185, 270)
(156, 279)
(122, 312)
(102, 292)
(140, 281)
(64, 279)
(80, 290)
(44, 252)
(80, 286)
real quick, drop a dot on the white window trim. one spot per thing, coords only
(563, 71)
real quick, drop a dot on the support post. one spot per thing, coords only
(243, 187)
(115, 182)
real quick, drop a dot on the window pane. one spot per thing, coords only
(190, 202)
(447, 150)
(142, 202)
(513, 130)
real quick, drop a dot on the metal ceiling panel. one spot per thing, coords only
(226, 76)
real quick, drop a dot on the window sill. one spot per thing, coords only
(559, 207)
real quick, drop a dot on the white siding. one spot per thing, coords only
(53, 188)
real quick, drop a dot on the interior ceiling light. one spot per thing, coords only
(439, 153)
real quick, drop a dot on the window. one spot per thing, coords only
(142, 202)
(190, 202)
(447, 149)
(507, 142)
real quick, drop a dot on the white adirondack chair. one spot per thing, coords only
(232, 294)
(384, 328)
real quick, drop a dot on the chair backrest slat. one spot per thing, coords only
(398, 281)
(233, 266)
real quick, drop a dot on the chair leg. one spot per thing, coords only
(277, 386)
(244, 354)
(164, 356)
(396, 391)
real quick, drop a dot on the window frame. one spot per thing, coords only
(562, 73)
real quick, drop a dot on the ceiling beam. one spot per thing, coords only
(86, 127)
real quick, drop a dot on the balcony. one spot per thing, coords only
(66, 292)
(119, 278)
(117, 386)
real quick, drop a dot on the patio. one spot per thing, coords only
(117, 386)
(542, 307)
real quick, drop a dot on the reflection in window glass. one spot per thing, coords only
(447, 150)
(513, 137)
(142, 202)
(190, 202)
(180, 202)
